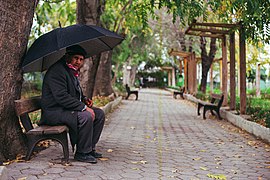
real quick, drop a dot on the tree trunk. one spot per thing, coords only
(88, 75)
(15, 26)
(88, 12)
(103, 85)
(206, 60)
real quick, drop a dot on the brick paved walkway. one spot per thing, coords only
(158, 137)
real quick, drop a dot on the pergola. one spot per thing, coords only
(220, 30)
(171, 74)
(190, 69)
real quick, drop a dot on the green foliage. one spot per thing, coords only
(251, 92)
(48, 14)
(32, 84)
(258, 108)
(100, 101)
(254, 15)
(202, 96)
(35, 116)
(119, 87)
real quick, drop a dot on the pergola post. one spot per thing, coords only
(169, 78)
(242, 45)
(211, 79)
(232, 72)
(186, 72)
(173, 76)
(194, 67)
(258, 79)
(224, 71)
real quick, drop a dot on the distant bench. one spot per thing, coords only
(39, 133)
(214, 105)
(181, 93)
(129, 92)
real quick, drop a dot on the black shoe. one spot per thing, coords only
(85, 158)
(95, 154)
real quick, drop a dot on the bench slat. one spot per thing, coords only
(48, 130)
(23, 106)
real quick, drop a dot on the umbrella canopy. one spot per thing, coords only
(50, 47)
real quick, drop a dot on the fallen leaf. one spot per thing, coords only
(143, 162)
(136, 152)
(203, 168)
(103, 159)
(217, 176)
(134, 162)
(197, 159)
(109, 150)
(147, 137)
(23, 178)
(132, 127)
(136, 168)
(174, 170)
(252, 143)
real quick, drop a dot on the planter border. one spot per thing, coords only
(249, 126)
(111, 105)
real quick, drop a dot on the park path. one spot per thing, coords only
(158, 137)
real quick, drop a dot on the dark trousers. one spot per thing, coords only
(89, 131)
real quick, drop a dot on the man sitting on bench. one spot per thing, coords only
(63, 103)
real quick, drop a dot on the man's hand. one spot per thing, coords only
(88, 102)
(92, 112)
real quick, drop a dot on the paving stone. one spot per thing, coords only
(165, 133)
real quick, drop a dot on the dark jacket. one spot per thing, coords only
(60, 100)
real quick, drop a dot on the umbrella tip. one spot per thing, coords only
(59, 24)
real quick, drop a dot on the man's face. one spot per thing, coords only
(77, 61)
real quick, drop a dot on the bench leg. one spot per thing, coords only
(34, 139)
(219, 117)
(136, 96)
(182, 95)
(127, 96)
(204, 112)
(199, 107)
(62, 139)
(31, 143)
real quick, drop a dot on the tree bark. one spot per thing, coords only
(103, 85)
(95, 80)
(207, 60)
(15, 26)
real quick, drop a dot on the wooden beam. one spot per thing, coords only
(232, 72)
(179, 53)
(211, 79)
(205, 35)
(224, 71)
(194, 65)
(242, 54)
(211, 30)
(224, 25)
(186, 73)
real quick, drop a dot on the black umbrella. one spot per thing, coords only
(50, 47)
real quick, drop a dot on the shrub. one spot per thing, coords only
(100, 101)
(258, 109)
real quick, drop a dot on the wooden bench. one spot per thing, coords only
(181, 93)
(129, 92)
(39, 133)
(214, 105)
